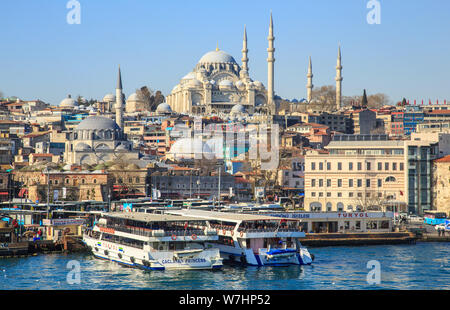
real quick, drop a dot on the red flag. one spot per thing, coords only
(401, 193)
(185, 225)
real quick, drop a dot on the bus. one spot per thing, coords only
(434, 217)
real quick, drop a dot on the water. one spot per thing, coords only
(420, 266)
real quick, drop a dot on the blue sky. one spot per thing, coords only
(158, 42)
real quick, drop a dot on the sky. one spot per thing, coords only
(156, 43)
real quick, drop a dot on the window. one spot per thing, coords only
(339, 182)
(320, 183)
(313, 166)
(320, 166)
(359, 183)
(339, 166)
(368, 183)
(350, 194)
(328, 194)
(402, 166)
(368, 166)
(339, 195)
(328, 166)
(359, 166)
(386, 166)
(359, 195)
(350, 183)
(313, 194)
(394, 166)
(390, 179)
(380, 182)
(350, 166)
(313, 183)
(328, 183)
(320, 194)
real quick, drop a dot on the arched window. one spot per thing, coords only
(390, 179)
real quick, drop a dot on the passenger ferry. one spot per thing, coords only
(153, 241)
(256, 240)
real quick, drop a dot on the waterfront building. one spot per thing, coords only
(70, 185)
(441, 185)
(364, 121)
(342, 222)
(358, 173)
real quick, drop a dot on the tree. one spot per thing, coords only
(151, 99)
(324, 98)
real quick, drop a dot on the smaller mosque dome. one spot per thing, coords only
(240, 84)
(163, 108)
(133, 97)
(195, 83)
(109, 98)
(238, 109)
(258, 84)
(188, 148)
(68, 102)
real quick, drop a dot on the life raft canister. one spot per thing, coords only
(174, 237)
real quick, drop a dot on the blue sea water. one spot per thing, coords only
(406, 267)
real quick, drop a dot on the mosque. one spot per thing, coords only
(219, 85)
(100, 139)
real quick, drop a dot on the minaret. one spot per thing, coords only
(339, 80)
(310, 85)
(245, 51)
(270, 67)
(119, 101)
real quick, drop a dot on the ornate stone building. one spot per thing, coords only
(218, 83)
(98, 139)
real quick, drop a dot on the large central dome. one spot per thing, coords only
(217, 57)
(98, 123)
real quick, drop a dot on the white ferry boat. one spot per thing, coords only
(153, 241)
(256, 240)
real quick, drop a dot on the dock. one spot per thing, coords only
(358, 239)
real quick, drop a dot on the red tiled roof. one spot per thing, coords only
(445, 159)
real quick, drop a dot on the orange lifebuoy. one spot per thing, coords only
(174, 237)
(232, 233)
(242, 233)
(194, 236)
(224, 232)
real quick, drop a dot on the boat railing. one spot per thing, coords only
(262, 230)
(148, 232)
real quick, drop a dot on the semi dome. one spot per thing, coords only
(109, 98)
(97, 123)
(83, 147)
(189, 76)
(217, 57)
(68, 102)
(225, 84)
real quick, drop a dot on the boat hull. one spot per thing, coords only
(153, 260)
(235, 255)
